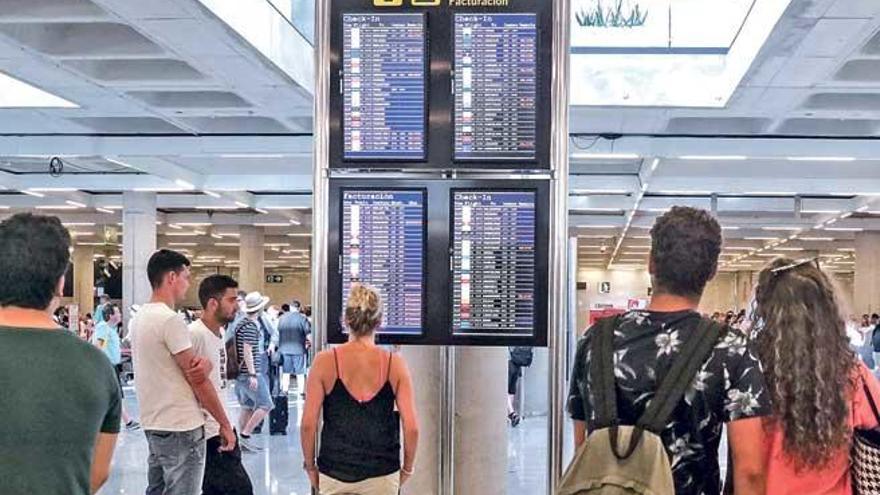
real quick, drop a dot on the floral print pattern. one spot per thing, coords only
(728, 387)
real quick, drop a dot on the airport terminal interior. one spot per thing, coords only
(302, 145)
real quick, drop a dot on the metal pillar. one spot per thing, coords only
(321, 154)
(447, 430)
(558, 327)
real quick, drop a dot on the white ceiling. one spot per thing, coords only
(168, 92)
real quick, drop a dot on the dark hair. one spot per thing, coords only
(34, 256)
(685, 246)
(285, 308)
(108, 311)
(214, 286)
(801, 341)
(875, 316)
(297, 304)
(162, 262)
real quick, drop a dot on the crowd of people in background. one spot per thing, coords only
(790, 380)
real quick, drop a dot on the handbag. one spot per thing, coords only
(865, 454)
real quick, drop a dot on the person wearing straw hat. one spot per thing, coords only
(252, 386)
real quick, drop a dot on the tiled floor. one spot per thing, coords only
(276, 471)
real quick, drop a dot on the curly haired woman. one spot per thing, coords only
(814, 378)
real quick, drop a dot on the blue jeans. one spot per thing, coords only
(176, 464)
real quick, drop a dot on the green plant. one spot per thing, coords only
(612, 17)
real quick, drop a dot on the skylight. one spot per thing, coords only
(19, 94)
(685, 53)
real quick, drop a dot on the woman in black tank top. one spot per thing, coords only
(360, 439)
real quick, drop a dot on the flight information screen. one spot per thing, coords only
(494, 263)
(496, 85)
(383, 245)
(384, 64)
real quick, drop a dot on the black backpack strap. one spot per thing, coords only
(602, 373)
(681, 375)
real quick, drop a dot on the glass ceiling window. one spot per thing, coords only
(677, 52)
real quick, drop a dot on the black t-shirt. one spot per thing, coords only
(59, 392)
(729, 386)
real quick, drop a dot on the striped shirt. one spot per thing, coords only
(248, 332)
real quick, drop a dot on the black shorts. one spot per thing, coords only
(224, 472)
(513, 374)
(119, 379)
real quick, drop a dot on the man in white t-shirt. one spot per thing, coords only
(224, 472)
(171, 383)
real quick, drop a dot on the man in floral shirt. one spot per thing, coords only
(729, 388)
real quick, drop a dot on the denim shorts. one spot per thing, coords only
(261, 398)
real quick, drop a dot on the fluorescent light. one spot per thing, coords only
(216, 207)
(182, 234)
(294, 221)
(211, 193)
(605, 156)
(272, 224)
(729, 228)
(242, 205)
(600, 191)
(761, 238)
(789, 249)
(821, 158)
(56, 207)
(76, 204)
(846, 250)
(194, 224)
(184, 184)
(683, 193)
(844, 229)
(261, 211)
(78, 224)
(251, 155)
(277, 244)
(821, 212)
(104, 210)
(769, 193)
(33, 193)
(599, 226)
(91, 244)
(216, 236)
(739, 248)
(53, 189)
(183, 244)
(158, 189)
(299, 234)
(713, 157)
(787, 229)
(19, 94)
(817, 239)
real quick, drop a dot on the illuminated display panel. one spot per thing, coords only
(496, 86)
(494, 262)
(384, 102)
(383, 245)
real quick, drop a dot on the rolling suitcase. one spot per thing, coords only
(278, 416)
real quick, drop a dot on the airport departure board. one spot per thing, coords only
(384, 67)
(496, 86)
(383, 245)
(494, 263)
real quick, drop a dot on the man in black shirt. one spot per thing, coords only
(728, 389)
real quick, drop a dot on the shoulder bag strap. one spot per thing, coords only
(602, 373)
(870, 397)
(680, 376)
